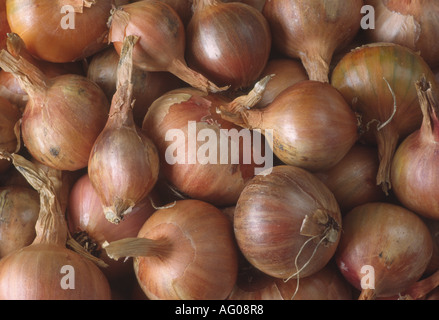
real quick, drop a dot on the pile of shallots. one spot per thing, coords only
(219, 150)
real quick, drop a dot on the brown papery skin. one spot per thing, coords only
(60, 126)
(4, 26)
(353, 179)
(414, 172)
(286, 73)
(414, 24)
(313, 30)
(85, 214)
(202, 260)
(147, 86)
(38, 275)
(389, 238)
(38, 23)
(216, 183)
(326, 284)
(19, 210)
(361, 78)
(9, 116)
(269, 216)
(313, 126)
(162, 40)
(230, 43)
(121, 187)
(165, 43)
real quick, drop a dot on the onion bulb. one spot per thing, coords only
(287, 223)
(230, 43)
(147, 86)
(4, 26)
(162, 40)
(326, 284)
(202, 155)
(413, 24)
(414, 170)
(311, 124)
(313, 30)
(19, 211)
(63, 117)
(9, 120)
(384, 249)
(124, 163)
(10, 86)
(89, 227)
(353, 179)
(46, 269)
(378, 80)
(185, 251)
(286, 73)
(60, 31)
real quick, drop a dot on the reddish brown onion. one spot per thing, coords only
(4, 26)
(353, 179)
(229, 43)
(55, 33)
(313, 30)
(326, 284)
(384, 249)
(413, 24)
(44, 269)
(124, 164)
(287, 223)
(184, 251)
(147, 86)
(88, 225)
(162, 40)
(9, 117)
(63, 117)
(286, 73)
(414, 171)
(214, 167)
(378, 80)
(312, 125)
(19, 211)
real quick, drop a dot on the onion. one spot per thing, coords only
(4, 26)
(124, 163)
(63, 117)
(230, 43)
(19, 211)
(9, 117)
(433, 226)
(313, 30)
(89, 227)
(10, 86)
(56, 33)
(286, 73)
(414, 170)
(162, 40)
(353, 179)
(258, 4)
(287, 223)
(326, 284)
(378, 80)
(384, 249)
(147, 86)
(203, 156)
(312, 125)
(413, 24)
(46, 269)
(185, 251)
